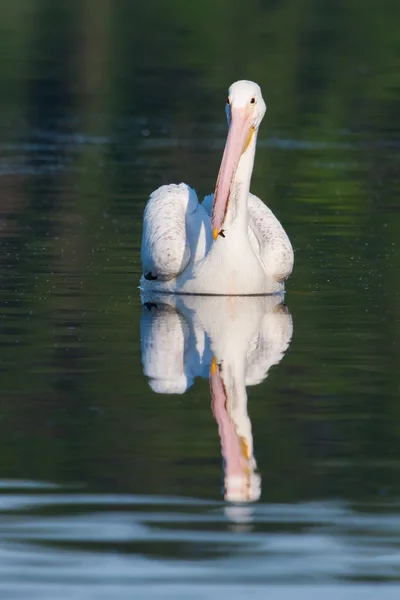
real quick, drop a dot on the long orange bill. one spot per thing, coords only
(239, 136)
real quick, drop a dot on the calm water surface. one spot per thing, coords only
(198, 448)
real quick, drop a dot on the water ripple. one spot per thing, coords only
(55, 541)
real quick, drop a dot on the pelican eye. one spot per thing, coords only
(253, 101)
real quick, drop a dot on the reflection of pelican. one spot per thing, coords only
(233, 341)
(232, 243)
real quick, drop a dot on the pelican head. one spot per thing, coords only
(245, 109)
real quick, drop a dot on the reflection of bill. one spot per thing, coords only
(231, 340)
(241, 481)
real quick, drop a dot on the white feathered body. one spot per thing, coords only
(179, 254)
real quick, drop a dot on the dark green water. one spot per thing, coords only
(109, 489)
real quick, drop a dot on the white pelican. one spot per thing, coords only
(231, 341)
(231, 244)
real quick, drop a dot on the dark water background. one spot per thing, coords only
(109, 490)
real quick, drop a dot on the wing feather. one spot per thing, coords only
(165, 247)
(270, 240)
(207, 203)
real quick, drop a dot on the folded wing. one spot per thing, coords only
(166, 249)
(270, 240)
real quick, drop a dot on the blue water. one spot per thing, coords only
(77, 545)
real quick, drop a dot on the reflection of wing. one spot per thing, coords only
(173, 348)
(267, 236)
(268, 344)
(173, 232)
(164, 334)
